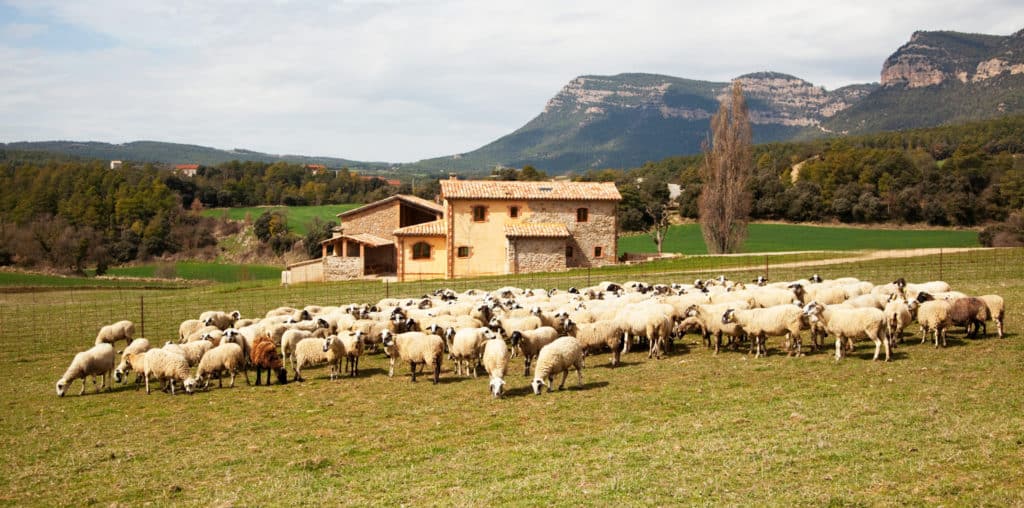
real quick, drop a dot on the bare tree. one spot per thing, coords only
(725, 200)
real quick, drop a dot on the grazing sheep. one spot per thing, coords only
(850, 324)
(495, 360)
(415, 348)
(559, 356)
(465, 348)
(121, 330)
(530, 342)
(97, 361)
(595, 336)
(933, 316)
(222, 320)
(132, 359)
(347, 346)
(309, 352)
(264, 356)
(167, 367)
(760, 323)
(996, 310)
(227, 357)
(971, 313)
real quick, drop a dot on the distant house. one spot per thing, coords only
(316, 169)
(116, 164)
(482, 228)
(188, 170)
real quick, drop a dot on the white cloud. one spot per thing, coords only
(400, 81)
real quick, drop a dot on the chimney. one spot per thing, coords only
(453, 176)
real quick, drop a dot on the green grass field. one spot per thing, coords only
(933, 427)
(193, 270)
(687, 239)
(299, 217)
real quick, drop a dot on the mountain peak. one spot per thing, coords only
(941, 57)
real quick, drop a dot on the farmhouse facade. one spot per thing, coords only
(481, 228)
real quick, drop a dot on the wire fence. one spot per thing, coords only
(78, 314)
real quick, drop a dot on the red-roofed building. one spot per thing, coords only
(316, 169)
(188, 170)
(481, 228)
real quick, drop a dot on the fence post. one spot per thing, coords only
(766, 267)
(142, 316)
(940, 263)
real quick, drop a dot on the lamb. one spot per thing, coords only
(121, 330)
(594, 336)
(559, 356)
(415, 348)
(97, 361)
(222, 320)
(850, 324)
(309, 352)
(465, 348)
(167, 367)
(996, 310)
(530, 342)
(347, 346)
(897, 317)
(760, 323)
(264, 356)
(970, 313)
(227, 357)
(132, 359)
(933, 316)
(495, 359)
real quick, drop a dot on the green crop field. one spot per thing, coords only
(194, 270)
(299, 217)
(687, 239)
(933, 427)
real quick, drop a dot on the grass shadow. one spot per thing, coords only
(569, 386)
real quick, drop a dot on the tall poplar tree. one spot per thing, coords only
(725, 199)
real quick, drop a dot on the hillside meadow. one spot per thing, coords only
(932, 427)
(299, 217)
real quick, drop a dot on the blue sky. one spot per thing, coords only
(398, 81)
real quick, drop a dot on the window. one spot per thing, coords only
(463, 252)
(513, 212)
(568, 251)
(421, 250)
(479, 213)
(597, 252)
(581, 215)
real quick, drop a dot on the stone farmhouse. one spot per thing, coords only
(482, 227)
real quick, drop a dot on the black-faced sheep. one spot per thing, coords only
(558, 357)
(779, 320)
(596, 336)
(414, 348)
(850, 324)
(530, 342)
(97, 361)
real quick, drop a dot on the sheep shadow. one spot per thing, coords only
(525, 391)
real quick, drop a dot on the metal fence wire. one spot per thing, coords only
(158, 312)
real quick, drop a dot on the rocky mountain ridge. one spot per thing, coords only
(936, 58)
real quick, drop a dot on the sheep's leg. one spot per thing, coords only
(887, 342)
(565, 374)
(551, 383)
(616, 356)
(147, 385)
(259, 374)
(526, 363)
(391, 368)
(412, 367)
(245, 372)
(999, 327)
(839, 347)
(437, 369)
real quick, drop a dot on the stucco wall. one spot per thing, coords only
(526, 255)
(416, 269)
(306, 271)
(486, 240)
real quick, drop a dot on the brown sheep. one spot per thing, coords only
(265, 356)
(970, 313)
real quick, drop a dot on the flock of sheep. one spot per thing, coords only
(551, 329)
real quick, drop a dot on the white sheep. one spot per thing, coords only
(495, 360)
(414, 348)
(348, 347)
(772, 321)
(596, 336)
(709, 317)
(309, 352)
(996, 309)
(897, 317)
(121, 330)
(192, 351)
(132, 359)
(188, 327)
(167, 367)
(850, 324)
(559, 356)
(530, 342)
(465, 348)
(226, 357)
(507, 325)
(933, 316)
(97, 361)
(220, 319)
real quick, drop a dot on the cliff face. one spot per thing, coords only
(936, 58)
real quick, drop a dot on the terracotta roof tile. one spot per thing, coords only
(560, 191)
(435, 228)
(543, 229)
(365, 239)
(412, 200)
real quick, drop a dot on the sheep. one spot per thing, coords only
(222, 320)
(996, 310)
(593, 336)
(347, 346)
(651, 321)
(97, 361)
(288, 342)
(970, 313)
(760, 323)
(202, 333)
(530, 342)
(192, 351)
(264, 356)
(510, 324)
(121, 330)
(415, 348)
(227, 357)
(709, 317)
(188, 327)
(850, 324)
(933, 316)
(465, 348)
(167, 367)
(309, 352)
(897, 317)
(132, 359)
(559, 356)
(495, 360)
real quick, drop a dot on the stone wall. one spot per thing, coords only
(380, 221)
(342, 268)
(527, 255)
(598, 231)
